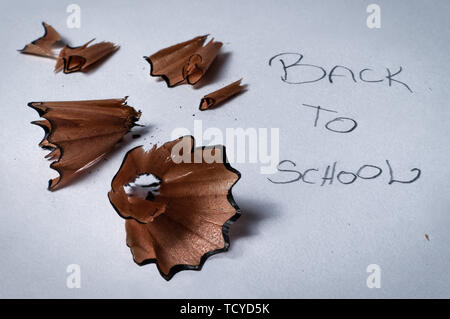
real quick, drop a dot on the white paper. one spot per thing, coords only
(293, 240)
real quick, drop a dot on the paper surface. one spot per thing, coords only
(293, 240)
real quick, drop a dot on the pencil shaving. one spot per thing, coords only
(185, 62)
(80, 133)
(215, 98)
(188, 218)
(82, 57)
(43, 45)
(69, 59)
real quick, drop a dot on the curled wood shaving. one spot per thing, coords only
(185, 62)
(80, 133)
(43, 45)
(82, 57)
(217, 97)
(69, 59)
(188, 218)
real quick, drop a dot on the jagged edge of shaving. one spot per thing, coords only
(47, 136)
(34, 41)
(163, 76)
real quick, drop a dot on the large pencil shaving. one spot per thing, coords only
(217, 97)
(185, 62)
(80, 58)
(188, 219)
(80, 133)
(43, 45)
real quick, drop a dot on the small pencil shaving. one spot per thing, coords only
(43, 45)
(82, 57)
(215, 98)
(69, 59)
(184, 63)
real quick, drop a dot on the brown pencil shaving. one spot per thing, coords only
(80, 133)
(61, 62)
(43, 45)
(185, 62)
(169, 61)
(215, 98)
(186, 216)
(199, 63)
(82, 57)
